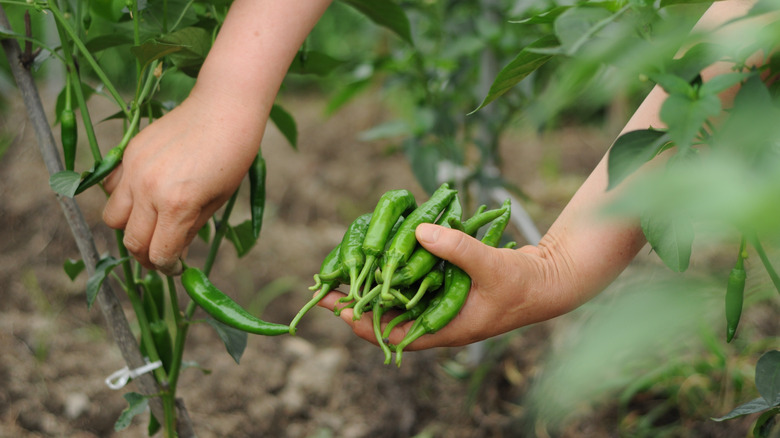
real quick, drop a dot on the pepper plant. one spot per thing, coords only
(167, 42)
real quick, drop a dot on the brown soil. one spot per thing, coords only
(324, 382)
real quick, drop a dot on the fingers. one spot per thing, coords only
(112, 180)
(459, 248)
(172, 236)
(139, 231)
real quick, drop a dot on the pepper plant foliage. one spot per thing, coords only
(722, 165)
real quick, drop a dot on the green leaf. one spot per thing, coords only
(723, 82)
(546, 17)
(387, 130)
(108, 40)
(235, 340)
(347, 93)
(694, 60)
(671, 238)
(73, 268)
(242, 237)
(685, 115)
(65, 183)
(257, 174)
(525, 63)
(102, 269)
(751, 407)
(153, 50)
(630, 151)
(577, 25)
(286, 124)
(312, 62)
(768, 377)
(137, 404)
(195, 43)
(673, 84)
(665, 3)
(387, 14)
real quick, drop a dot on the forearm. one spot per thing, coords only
(586, 249)
(252, 53)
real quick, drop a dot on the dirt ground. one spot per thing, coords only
(324, 382)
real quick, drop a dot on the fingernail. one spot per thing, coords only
(427, 233)
(172, 269)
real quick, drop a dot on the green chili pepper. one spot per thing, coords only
(331, 268)
(330, 265)
(735, 292)
(391, 206)
(494, 233)
(456, 289)
(101, 169)
(404, 242)
(154, 296)
(222, 308)
(431, 281)
(257, 174)
(69, 135)
(351, 253)
(378, 311)
(162, 342)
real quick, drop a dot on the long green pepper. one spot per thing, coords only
(222, 308)
(392, 205)
(735, 291)
(351, 253)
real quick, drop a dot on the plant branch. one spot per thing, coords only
(107, 300)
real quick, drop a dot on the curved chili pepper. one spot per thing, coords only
(404, 242)
(69, 135)
(101, 169)
(432, 281)
(351, 253)
(391, 206)
(735, 291)
(331, 265)
(222, 308)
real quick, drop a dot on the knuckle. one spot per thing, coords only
(133, 245)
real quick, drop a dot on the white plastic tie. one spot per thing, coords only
(119, 379)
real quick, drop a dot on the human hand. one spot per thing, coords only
(510, 289)
(175, 174)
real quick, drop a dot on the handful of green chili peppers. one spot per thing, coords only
(385, 268)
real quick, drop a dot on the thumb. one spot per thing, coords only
(456, 247)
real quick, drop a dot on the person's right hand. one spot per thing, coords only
(176, 173)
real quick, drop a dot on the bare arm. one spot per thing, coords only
(180, 169)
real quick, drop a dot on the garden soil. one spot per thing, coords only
(55, 354)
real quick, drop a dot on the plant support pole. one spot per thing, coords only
(107, 301)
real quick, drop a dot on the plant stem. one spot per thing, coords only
(765, 260)
(143, 322)
(72, 77)
(63, 22)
